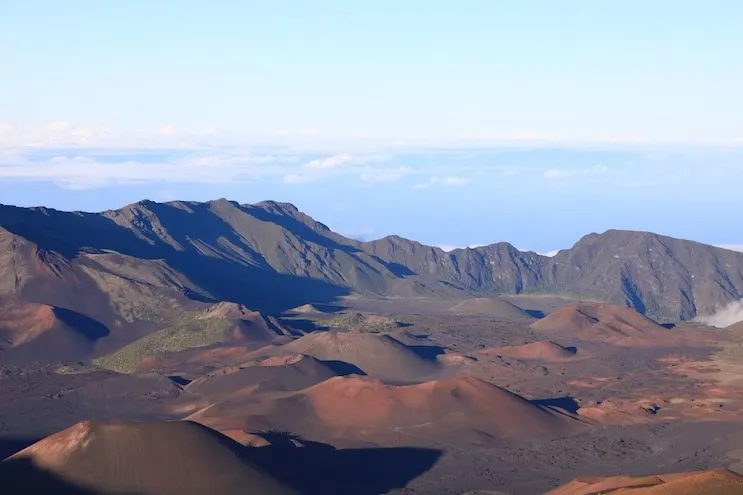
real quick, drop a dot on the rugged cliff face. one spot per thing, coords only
(655, 274)
(271, 256)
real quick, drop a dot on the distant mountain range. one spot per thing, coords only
(131, 267)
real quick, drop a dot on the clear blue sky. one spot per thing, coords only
(106, 102)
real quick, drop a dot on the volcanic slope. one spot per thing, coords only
(491, 306)
(132, 457)
(276, 374)
(269, 256)
(538, 351)
(363, 322)
(377, 355)
(249, 325)
(39, 332)
(221, 323)
(736, 328)
(307, 309)
(602, 322)
(715, 482)
(461, 410)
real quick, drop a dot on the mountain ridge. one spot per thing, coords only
(272, 256)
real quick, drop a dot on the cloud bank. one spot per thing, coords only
(729, 315)
(535, 170)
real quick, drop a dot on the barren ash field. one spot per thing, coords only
(422, 396)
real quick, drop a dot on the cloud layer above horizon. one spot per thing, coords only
(539, 197)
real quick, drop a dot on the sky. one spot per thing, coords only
(453, 123)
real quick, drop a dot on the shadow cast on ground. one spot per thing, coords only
(11, 445)
(317, 468)
(567, 404)
(22, 477)
(312, 469)
(428, 352)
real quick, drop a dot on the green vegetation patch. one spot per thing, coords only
(74, 369)
(187, 335)
(364, 322)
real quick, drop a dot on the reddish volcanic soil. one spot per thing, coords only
(603, 322)
(537, 351)
(376, 355)
(23, 322)
(132, 457)
(500, 405)
(275, 374)
(717, 482)
(461, 409)
(31, 331)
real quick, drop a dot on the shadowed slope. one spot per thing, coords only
(148, 457)
(272, 374)
(316, 468)
(377, 355)
(32, 331)
(220, 323)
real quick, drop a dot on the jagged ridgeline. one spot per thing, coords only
(146, 261)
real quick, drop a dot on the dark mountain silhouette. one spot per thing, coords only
(129, 269)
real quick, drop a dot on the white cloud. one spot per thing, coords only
(362, 234)
(444, 181)
(345, 164)
(331, 161)
(550, 253)
(451, 247)
(297, 179)
(84, 172)
(729, 315)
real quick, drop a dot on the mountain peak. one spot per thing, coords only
(278, 207)
(275, 242)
